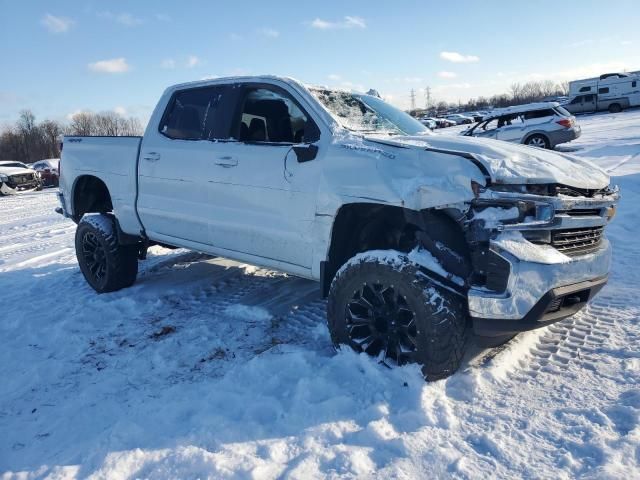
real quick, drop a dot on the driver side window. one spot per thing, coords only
(271, 116)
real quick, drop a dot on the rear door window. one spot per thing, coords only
(563, 111)
(548, 112)
(195, 114)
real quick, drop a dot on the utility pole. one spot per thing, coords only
(412, 95)
(427, 97)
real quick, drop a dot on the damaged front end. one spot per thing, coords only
(12, 184)
(538, 253)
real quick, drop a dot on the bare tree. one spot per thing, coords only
(82, 123)
(108, 124)
(28, 141)
(516, 91)
(563, 88)
(51, 132)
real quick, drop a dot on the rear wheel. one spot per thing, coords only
(106, 265)
(388, 308)
(539, 141)
(615, 108)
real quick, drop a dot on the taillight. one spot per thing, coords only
(565, 122)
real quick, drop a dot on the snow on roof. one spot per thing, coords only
(260, 78)
(524, 108)
(240, 78)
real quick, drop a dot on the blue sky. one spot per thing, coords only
(61, 57)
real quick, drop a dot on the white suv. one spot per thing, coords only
(542, 125)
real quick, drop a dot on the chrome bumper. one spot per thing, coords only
(7, 190)
(532, 286)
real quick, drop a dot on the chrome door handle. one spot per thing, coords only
(151, 156)
(226, 161)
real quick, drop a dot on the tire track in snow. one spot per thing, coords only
(579, 338)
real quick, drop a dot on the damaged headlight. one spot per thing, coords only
(512, 214)
(543, 189)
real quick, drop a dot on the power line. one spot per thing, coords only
(427, 97)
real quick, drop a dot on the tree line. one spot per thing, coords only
(28, 141)
(518, 94)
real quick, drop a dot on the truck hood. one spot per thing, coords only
(512, 163)
(15, 171)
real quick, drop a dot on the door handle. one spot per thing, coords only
(151, 156)
(226, 161)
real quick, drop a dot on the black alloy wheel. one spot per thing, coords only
(380, 321)
(94, 256)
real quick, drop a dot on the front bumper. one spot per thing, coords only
(7, 189)
(537, 293)
(541, 271)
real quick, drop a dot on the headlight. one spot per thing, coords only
(3, 178)
(525, 213)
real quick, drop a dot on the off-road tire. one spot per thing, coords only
(539, 141)
(120, 266)
(440, 314)
(615, 108)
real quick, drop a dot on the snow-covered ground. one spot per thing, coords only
(206, 368)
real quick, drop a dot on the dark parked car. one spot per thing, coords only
(48, 170)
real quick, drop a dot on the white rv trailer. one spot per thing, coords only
(611, 91)
(590, 85)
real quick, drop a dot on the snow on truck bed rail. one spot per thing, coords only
(207, 368)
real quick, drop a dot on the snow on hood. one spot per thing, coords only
(514, 163)
(15, 170)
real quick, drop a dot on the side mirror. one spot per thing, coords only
(306, 152)
(311, 132)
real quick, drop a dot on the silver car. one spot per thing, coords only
(542, 125)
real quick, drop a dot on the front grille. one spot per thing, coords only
(577, 241)
(19, 179)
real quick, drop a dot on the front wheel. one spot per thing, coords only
(385, 306)
(106, 265)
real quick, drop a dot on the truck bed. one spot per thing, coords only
(111, 159)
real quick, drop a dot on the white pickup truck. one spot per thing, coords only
(413, 236)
